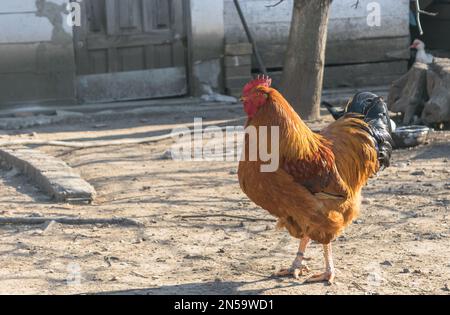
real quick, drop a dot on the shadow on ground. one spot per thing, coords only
(213, 288)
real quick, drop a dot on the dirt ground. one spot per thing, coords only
(201, 235)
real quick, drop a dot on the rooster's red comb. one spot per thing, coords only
(261, 80)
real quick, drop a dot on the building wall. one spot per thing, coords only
(206, 44)
(37, 63)
(351, 41)
(36, 52)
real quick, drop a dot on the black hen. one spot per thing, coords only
(376, 115)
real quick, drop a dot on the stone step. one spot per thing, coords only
(53, 176)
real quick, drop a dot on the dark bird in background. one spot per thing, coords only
(358, 104)
(376, 115)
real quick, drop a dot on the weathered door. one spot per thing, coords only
(131, 49)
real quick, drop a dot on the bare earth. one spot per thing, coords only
(201, 235)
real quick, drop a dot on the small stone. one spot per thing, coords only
(48, 226)
(167, 155)
(446, 288)
(405, 270)
(386, 263)
(418, 173)
(233, 172)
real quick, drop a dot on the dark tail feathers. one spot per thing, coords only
(376, 115)
(333, 111)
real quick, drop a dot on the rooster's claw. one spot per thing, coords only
(295, 272)
(327, 277)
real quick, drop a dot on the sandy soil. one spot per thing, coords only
(201, 235)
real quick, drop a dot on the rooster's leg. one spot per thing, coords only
(330, 272)
(298, 266)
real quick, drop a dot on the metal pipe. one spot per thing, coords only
(251, 39)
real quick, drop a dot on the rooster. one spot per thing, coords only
(316, 190)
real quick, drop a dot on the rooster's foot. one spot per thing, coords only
(327, 276)
(296, 272)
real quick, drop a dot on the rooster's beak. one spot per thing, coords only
(242, 99)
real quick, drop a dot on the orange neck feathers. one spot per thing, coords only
(297, 140)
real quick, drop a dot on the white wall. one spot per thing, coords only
(36, 52)
(20, 24)
(271, 25)
(345, 21)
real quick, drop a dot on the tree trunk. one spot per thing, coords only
(305, 57)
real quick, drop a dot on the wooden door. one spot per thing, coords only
(131, 49)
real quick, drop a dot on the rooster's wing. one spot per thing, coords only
(319, 176)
